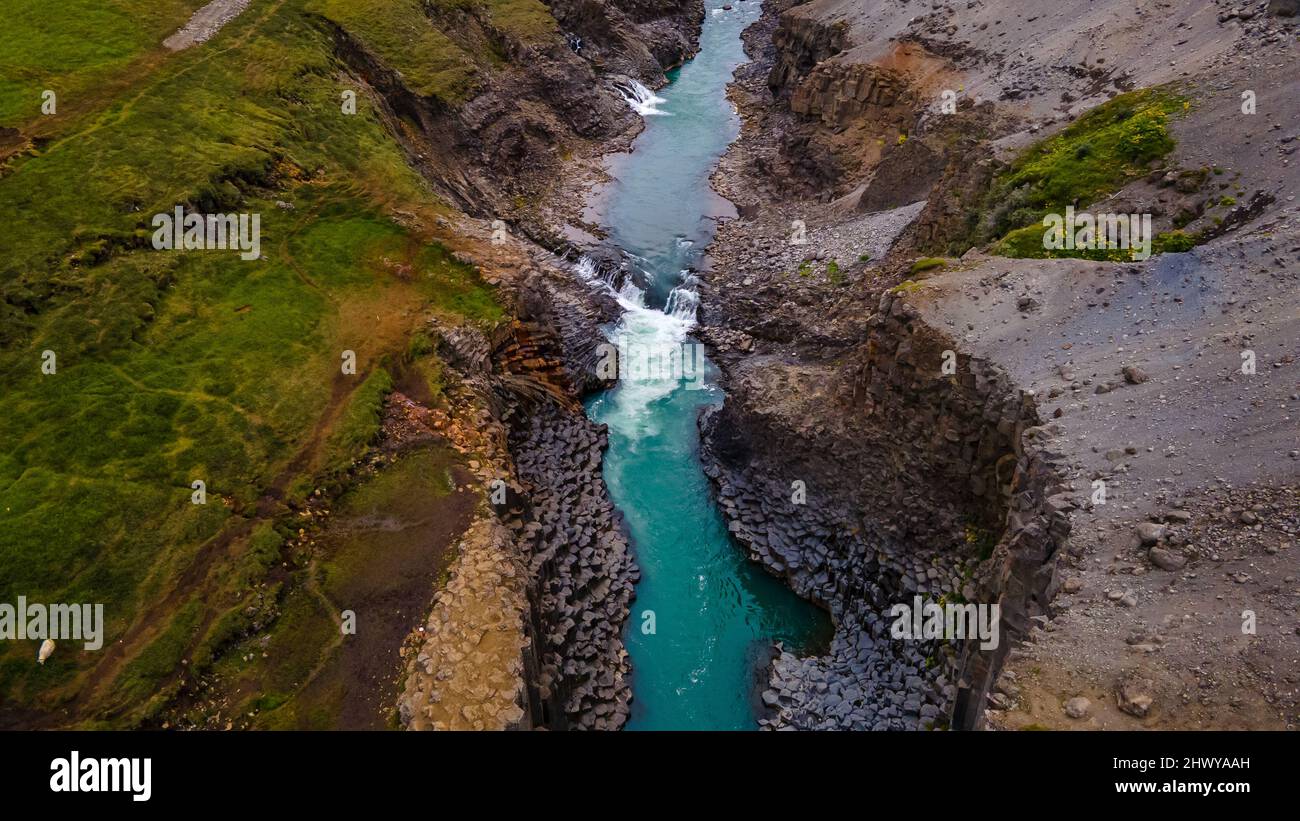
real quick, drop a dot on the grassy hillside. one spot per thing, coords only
(73, 46)
(177, 366)
(445, 62)
(403, 37)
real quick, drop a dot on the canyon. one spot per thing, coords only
(898, 400)
(853, 321)
(951, 485)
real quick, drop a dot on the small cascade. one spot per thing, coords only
(642, 100)
(585, 267)
(684, 300)
(614, 279)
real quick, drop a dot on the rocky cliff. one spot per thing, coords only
(801, 44)
(640, 38)
(549, 554)
(907, 482)
(493, 146)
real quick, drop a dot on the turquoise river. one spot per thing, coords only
(705, 616)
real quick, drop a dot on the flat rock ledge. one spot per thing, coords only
(468, 672)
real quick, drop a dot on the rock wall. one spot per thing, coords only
(582, 570)
(504, 143)
(801, 43)
(641, 38)
(571, 539)
(953, 207)
(841, 121)
(916, 483)
(839, 93)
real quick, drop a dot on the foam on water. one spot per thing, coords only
(715, 612)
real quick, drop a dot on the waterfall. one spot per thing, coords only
(641, 99)
(682, 304)
(614, 280)
(684, 301)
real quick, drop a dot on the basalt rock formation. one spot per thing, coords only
(550, 554)
(836, 94)
(907, 482)
(801, 44)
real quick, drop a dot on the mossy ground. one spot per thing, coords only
(176, 366)
(1101, 152)
(927, 264)
(381, 555)
(403, 37)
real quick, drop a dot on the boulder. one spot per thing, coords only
(1078, 707)
(1150, 533)
(1166, 559)
(1135, 375)
(1133, 696)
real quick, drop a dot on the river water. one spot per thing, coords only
(705, 616)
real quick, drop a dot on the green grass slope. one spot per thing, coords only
(72, 46)
(177, 366)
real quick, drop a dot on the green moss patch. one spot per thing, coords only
(529, 21)
(1101, 152)
(927, 264)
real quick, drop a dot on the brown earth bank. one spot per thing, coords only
(1171, 601)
